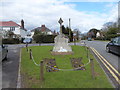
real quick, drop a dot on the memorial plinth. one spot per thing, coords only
(61, 46)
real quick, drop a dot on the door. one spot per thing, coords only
(115, 45)
(118, 47)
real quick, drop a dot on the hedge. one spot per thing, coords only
(107, 37)
(48, 38)
(11, 41)
(44, 38)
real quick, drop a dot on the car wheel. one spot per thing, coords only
(5, 57)
(108, 49)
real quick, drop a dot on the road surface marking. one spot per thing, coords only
(106, 66)
(107, 62)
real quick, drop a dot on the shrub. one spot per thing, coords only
(99, 38)
(38, 38)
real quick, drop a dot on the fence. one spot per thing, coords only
(41, 65)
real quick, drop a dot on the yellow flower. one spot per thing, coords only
(55, 66)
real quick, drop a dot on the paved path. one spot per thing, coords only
(0, 76)
(10, 68)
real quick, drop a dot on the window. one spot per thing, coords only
(115, 40)
(12, 28)
(119, 41)
(1, 28)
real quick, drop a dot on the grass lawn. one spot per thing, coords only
(62, 79)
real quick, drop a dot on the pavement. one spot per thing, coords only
(10, 67)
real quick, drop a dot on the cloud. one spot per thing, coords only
(90, 0)
(38, 12)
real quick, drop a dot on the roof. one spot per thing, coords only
(8, 23)
(42, 28)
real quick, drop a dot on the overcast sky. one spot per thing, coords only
(84, 15)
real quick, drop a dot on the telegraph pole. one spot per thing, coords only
(69, 26)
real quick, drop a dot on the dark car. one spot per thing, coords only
(114, 46)
(27, 40)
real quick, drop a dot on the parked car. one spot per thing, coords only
(27, 40)
(3, 52)
(89, 39)
(114, 46)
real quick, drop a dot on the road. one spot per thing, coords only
(101, 48)
(111, 58)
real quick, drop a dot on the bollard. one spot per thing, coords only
(87, 49)
(41, 72)
(92, 68)
(88, 52)
(74, 42)
(27, 47)
(30, 54)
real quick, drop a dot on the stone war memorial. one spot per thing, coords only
(61, 46)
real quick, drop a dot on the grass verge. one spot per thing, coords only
(62, 79)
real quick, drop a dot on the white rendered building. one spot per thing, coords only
(19, 30)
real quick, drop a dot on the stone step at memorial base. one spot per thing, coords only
(62, 53)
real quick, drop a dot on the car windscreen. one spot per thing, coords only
(27, 39)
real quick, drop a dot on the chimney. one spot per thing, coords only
(22, 24)
(43, 28)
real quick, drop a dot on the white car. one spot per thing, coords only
(3, 52)
(27, 40)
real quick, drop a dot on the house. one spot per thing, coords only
(92, 33)
(11, 26)
(43, 30)
(99, 34)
